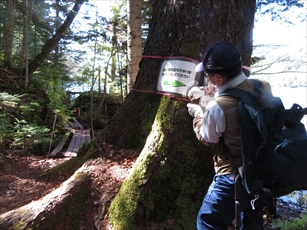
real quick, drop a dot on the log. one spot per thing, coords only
(60, 209)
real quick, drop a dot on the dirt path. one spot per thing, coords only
(19, 180)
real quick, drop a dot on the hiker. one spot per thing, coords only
(217, 126)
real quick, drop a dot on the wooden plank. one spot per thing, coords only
(60, 146)
(79, 137)
(77, 123)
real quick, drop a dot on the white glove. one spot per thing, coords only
(196, 92)
(195, 110)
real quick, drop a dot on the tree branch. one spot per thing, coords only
(35, 63)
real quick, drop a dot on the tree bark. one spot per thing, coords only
(9, 34)
(173, 171)
(134, 39)
(34, 64)
(60, 209)
(27, 12)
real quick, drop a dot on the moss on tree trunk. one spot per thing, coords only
(169, 178)
(174, 170)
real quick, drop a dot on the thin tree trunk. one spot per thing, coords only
(36, 19)
(92, 87)
(134, 40)
(28, 5)
(9, 33)
(35, 63)
(120, 70)
(114, 49)
(57, 46)
(105, 92)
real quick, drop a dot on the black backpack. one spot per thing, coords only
(274, 145)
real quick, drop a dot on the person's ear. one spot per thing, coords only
(220, 79)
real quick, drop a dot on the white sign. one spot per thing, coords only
(177, 76)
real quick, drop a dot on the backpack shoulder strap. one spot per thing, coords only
(248, 97)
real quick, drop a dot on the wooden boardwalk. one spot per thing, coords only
(79, 137)
(60, 146)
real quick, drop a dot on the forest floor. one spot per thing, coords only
(21, 183)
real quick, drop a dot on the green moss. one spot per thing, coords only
(170, 176)
(77, 206)
(19, 226)
(124, 207)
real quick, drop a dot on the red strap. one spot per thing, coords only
(161, 93)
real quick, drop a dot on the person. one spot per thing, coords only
(217, 125)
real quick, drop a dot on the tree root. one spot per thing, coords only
(60, 209)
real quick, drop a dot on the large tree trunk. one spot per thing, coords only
(173, 171)
(134, 8)
(35, 63)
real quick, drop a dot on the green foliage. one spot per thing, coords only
(25, 133)
(1, 56)
(102, 113)
(51, 90)
(5, 128)
(9, 100)
(19, 122)
(297, 223)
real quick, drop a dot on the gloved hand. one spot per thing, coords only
(196, 92)
(195, 110)
(210, 89)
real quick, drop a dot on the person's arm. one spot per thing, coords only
(209, 125)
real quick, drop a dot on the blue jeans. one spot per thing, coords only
(218, 208)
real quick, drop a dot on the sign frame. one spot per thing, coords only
(177, 75)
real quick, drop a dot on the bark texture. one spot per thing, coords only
(134, 39)
(227, 21)
(173, 171)
(178, 29)
(9, 33)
